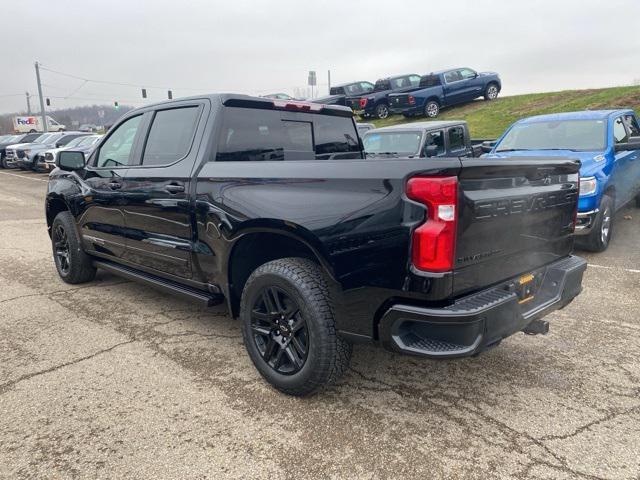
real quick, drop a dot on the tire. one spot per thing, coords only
(3, 162)
(32, 131)
(598, 239)
(289, 328)
(72, 263)
(491, 92)
(431, 109)
(382, 111)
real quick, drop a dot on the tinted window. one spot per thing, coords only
(30, 137)
(452, 76)
(117, 149)
(430, 81)
(170, 136)
(456, 138)
(619, 132)
(435, 139)
(382, 85)
(335, 137)
(258, 135)
(336, 91)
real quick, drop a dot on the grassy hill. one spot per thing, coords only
(490, 119)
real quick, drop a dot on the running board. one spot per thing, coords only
(204, 298)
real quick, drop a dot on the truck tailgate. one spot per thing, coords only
(516, 215)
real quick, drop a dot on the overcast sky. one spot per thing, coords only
(260, 47)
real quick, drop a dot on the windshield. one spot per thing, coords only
(76, 141)
(400, 143)
(43, 138)
(88, 141)
(576, 135)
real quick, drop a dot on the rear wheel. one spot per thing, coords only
(491, 92)
(600, 235)
(382, 111)
(431, 109)
(73, 264)
(289, 329)
(3, 162)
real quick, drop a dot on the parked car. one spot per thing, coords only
(88, 127)
(428, 258)
(607, 142)
(33, 124)
(23, 155)
(12, 140)
(421, 140)
(376, 102)
(46, 160)
(445, 89)
(364, 127)
(343, 93)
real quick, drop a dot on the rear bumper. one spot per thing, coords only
(586, 221)
(412, 110)
(479, 321)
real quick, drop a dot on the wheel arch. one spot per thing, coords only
(258, 246)
(54, 206)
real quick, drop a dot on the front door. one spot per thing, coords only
(625, 178)
(102, 223)
(157, 206)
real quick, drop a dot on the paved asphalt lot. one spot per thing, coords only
(113, 379)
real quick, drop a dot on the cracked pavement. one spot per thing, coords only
(113, 379)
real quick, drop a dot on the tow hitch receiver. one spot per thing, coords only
(537, 327)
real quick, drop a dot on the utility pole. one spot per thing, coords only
(44, 116)
(28, 104)
(329, 79)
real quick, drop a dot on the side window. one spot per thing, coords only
(366, 87)
(170, 135)
(116, 150)
(632, 125)
(335, 137)
(452, 76)
(456, 138)
(619, 132)
(434, 139)
(467, 74)
(414, 80)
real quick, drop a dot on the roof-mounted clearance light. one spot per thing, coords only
(298, 106)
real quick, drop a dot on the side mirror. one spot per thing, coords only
(488, 145)
(70, 160)
(431, 150)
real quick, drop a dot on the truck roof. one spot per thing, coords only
(583, 115)
(421, 125)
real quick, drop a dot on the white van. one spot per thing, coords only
(33, 123)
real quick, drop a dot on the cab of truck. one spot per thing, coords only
(607, 143)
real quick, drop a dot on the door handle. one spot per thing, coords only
(174, 188)
(115, 185)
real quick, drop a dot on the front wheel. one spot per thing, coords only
(3, 162)
(491, 93)
(382, 111)
(598, 239)
(289, 328)
(72, 263)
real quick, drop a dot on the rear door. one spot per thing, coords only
(155, 191)
(516, 215)
(102, 222)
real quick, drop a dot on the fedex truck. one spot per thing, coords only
(32, 123)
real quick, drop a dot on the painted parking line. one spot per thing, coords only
(630, 270)
(26, 178)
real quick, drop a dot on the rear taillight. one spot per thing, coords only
(434, 242)
(363, 102)
(411, 100)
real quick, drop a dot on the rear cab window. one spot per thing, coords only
(456, 139)
(273, 135)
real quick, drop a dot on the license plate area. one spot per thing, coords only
(526, 287)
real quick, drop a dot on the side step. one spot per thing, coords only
(204, 298)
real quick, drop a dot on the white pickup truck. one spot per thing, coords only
(33, 123)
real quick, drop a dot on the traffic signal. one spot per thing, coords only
(144, 93)
(48, 102)
(115, 105)
(170, 94)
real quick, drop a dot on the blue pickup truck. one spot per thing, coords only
(607, 142)
(444, 89)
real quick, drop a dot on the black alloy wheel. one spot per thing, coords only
(279, 331)
(61, 248)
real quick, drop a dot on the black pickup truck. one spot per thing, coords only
(376, 103)
(344, 93)
(271, 206)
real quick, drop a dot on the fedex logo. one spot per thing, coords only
(26, 121)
